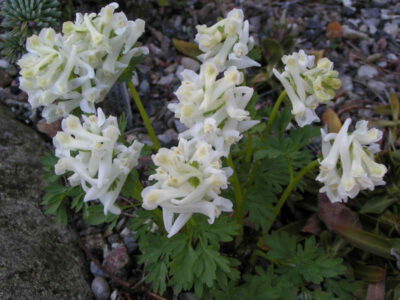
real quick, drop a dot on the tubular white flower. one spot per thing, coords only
(227, 43)
(307, 85)
(77, 68)
(348, 165)
(91, 152)
(189, 180)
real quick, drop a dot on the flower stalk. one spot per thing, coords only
(286, 193)
(144, 115)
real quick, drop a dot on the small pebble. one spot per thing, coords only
(94, 269)
(392, 29)
(116, 259)
(190, 63)
(114, 238)
(166, 80)
(179, 126)
(351, 34)
(168, 137)
(347, 83)
(367, 71)
(377, 86)
(100, 288)
(130, 243)
(4, 64)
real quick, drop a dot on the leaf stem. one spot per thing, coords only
(286, 193)
(239, 210)
(274, 112)
(144, 115)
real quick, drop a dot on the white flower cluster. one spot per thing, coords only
(307, 84)
(97, 162)
(77, 68)
(212, 106)
(189, 179)
(348, 165)
(227, 42)
(213, 110)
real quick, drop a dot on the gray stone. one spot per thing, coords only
(166, 80)
(144, 86)
(130, 243)
(96, 271)
(38, 259)
(100, 288)
(190, 63)
(367, 71)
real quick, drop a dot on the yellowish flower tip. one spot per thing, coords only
(325, 63)
(187, 111)
(163, 159)
(211, 70)
(233, 75)
(174, 181)
(153, 197)
(231, 27)
(34, 41)
(68, 27)
(63, 137)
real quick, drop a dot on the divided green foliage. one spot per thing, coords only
(295, 270)
(189, 260)
(58, 196)
(301, 263)
(278, 157)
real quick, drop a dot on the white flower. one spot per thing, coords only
(227, 43)
(97, 162)
(189, 179)
(77, 68)
(307, 85)
(213, 110)
(348, 165)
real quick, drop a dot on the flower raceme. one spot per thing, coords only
(98, 163)
(348, 165)
(227, 42)
(189, 179)
(77, 68)
(213, 110)
(307, 84)
(212, 106)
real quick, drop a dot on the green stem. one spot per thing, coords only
(144, 115)
(275, 109)
(239, 210)
(249, 148)
(274, 112)
(292, 185)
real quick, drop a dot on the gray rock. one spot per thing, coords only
(168, 137)
(96, 271)
(351, 34)
(100, 288)
(38, 258)
(347, 83)
(179, 126)
(144, 86)
(367, 71)
(392, 29)
(190, 63)
(166, 80)
(130, 243)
